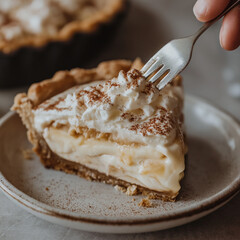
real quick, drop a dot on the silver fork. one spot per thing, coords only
(170, 60)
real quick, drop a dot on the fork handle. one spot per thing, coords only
(229, 7)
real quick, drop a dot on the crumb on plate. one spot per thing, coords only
(145, 202)
(120, 188)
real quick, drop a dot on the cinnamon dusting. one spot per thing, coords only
(94, 94)
(52, 106)
(162, 124)
(131, 117)
(149, 88)
(135, 75)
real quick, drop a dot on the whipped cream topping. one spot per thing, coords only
(128, 107)
(47, 17)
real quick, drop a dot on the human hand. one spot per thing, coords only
(206, 10)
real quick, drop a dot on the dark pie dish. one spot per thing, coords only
(37, 57)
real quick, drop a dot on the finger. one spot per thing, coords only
(230, 30)
(206, 10)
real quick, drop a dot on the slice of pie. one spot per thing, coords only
(109, 124)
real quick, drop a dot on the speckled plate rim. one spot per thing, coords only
(208, 205)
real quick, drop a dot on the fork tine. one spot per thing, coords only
(166, 80)
(153, 68)
(155, 77)
(148, 65)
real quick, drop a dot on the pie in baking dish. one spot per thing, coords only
(37, 22)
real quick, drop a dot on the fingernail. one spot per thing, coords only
(200, 8)
(222, 36)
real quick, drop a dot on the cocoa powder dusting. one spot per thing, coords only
(114, 85)
(47, 106)
(129, 116)
(124, 74)
(111, 84)
(94, 95)
(135, 75)
(149, 88)
(162, 124)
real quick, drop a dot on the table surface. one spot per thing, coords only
(154, 22)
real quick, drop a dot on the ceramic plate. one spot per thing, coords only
(212, 179)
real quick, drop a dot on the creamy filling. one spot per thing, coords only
(157, 169)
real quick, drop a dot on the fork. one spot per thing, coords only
(174, 57)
